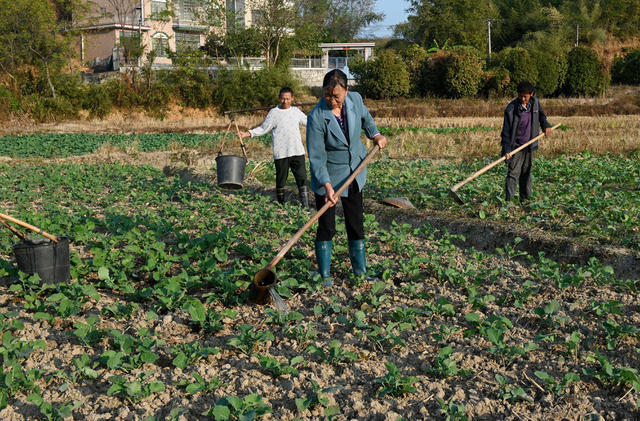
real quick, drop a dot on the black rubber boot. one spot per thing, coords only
(280, 195)
(303, 195)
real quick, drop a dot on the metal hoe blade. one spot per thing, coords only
(455, 196)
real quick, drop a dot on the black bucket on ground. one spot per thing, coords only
(48, 259)
(230, 171)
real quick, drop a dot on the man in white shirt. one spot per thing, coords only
(288, 152)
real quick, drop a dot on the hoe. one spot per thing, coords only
(261, 290)
(453, 191)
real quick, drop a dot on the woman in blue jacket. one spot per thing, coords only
(335, 151)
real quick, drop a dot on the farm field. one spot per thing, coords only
(155, 324)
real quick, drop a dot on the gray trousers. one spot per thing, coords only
(519, 168)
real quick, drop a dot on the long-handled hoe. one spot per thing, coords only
(453, 191)
(262, 289)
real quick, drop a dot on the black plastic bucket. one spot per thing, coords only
(230, 171)
(48, 259)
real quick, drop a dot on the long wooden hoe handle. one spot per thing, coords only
(29, 226)
(13, 230)
(323, 209)
(494, 163)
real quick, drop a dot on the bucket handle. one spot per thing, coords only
(29, 226)
(224, 138)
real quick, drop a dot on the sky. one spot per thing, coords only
(395, 12)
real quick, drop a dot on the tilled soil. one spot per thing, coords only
(489, 308)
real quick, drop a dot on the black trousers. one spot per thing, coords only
(519, 168)
(353, 216)
(296, 163)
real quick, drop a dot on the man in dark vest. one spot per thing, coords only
(523, 119)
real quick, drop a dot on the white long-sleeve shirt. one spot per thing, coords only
(286, 131)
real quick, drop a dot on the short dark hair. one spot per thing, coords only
(525, 87)
(284, 90)
(335, 77)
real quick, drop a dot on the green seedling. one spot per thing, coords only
(249, 339)
(603, 308)
(208, 320)
(406, 317)
(187, 354)
(233, 408)
(573, 343)
(131, 352)
(88, 333)
(200, 385)
(334, 354)
(477, 301)
(375, 297)
(51, 412)
(453, 411)
(282, 318)
(510, 393)
(121, 311)
(394, 383)
(136, 390)
(440, 308)
(444, 366)
(549, 315)
(277, 368)
(610, 375)
(559, 387)
(85, 368)
(318, 398)
(384, 338)
(302, 333)
(616, 332)
(444, 332)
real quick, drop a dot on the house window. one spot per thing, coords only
(160, 44)
(186, 40)
(256, 17)
(188, 9)
(157, 9)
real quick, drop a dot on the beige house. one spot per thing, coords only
(161, 24)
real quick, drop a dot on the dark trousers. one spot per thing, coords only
(296, 163)
(519, 168)
(353, 216)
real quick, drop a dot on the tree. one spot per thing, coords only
(384, 77)
(346, 18)
(29, 35)
(452, 21)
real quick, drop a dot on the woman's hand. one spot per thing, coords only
(380, 140)
(329, 197)
(242, 135)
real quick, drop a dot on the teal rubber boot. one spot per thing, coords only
(357, 256)
(323, 256)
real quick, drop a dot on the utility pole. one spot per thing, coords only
(577, 34)
(489, 36)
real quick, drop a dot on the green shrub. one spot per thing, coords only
(241, 88)
(585, 73)
(626, 70)
(414, 57)
(521, 66)
(432, 74)
(463, 76)
(383, 77)
(10, 103)
(496, 83)
(44, 109)
(70, 87)
(551, 71)
(97, 101)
